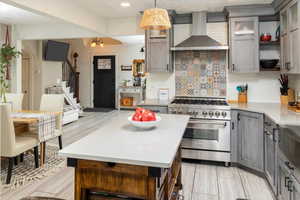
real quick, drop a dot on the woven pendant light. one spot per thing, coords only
(155, 19)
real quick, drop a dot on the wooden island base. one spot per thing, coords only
(104, 180)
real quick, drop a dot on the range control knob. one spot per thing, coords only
(224, 114)
(217, 113)
(210, 113)
(204, 113)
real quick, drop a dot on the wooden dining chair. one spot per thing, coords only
(13, 145)
(54, 103)
(16, 99)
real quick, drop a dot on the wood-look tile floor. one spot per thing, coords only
(209, 182)
(200, 182)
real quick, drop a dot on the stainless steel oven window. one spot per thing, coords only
(203, 134)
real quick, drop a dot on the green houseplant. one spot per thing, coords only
(7, 54)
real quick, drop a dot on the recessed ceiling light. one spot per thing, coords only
(125, 4)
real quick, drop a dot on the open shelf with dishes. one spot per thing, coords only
(269, 43)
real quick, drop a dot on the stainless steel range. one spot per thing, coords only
(207, 136)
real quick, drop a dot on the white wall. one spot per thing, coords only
(262, 87)
(2, 33)
(124, 56)
(51, 71)
(43, 73)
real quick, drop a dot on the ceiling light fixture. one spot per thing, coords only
(97, 42)
(155, 19)
(101, 44)
(125, 4)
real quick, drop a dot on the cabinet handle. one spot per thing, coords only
(233, 68)
(274, 135)
(286, 179)
(167, 67)
(290, 186)
(238, 117)
(232, 125)
(287, 66)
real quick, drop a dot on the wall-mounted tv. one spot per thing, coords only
(56, 51)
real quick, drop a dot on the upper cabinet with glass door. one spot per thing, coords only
(244, 54)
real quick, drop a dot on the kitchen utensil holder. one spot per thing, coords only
(242, 97)
(284, 99)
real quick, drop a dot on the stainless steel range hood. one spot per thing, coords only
(199, 39)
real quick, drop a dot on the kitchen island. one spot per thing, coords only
(119, 160)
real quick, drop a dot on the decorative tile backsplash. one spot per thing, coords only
(200, 73)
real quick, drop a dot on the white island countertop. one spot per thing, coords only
(277, 112)
(118, 141)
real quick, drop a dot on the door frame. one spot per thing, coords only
(92, 76)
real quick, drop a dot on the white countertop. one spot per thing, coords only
(277, 112)
(118, 141)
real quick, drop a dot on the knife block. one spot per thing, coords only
(242, 97)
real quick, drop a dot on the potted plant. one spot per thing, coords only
(7, 54)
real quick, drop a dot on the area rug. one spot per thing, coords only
(25, 172)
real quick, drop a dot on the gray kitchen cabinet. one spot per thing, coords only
(290, 38)
(295, 189)
(284, 182)
(244, 44)
(158, 53)
(157, 109)
(271, 152)
(251, 140)
(234, 137)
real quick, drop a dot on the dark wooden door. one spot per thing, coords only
(104, 81)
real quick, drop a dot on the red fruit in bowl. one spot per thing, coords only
(137, 117)
(140, 110)
(148, 116)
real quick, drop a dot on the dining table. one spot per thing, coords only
(23, 124)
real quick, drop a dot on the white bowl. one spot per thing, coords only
(144, 125)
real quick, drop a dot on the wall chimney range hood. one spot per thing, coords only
(199, 40)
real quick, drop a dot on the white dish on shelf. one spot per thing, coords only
(146, 124)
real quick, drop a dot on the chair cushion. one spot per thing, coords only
(58, 132)
(24, 143)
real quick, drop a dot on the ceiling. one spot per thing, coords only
(12, 15)
(112, 8)
(132, 39)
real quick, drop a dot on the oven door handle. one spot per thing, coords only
(204, 122)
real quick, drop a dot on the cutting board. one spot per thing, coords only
(294, 108)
